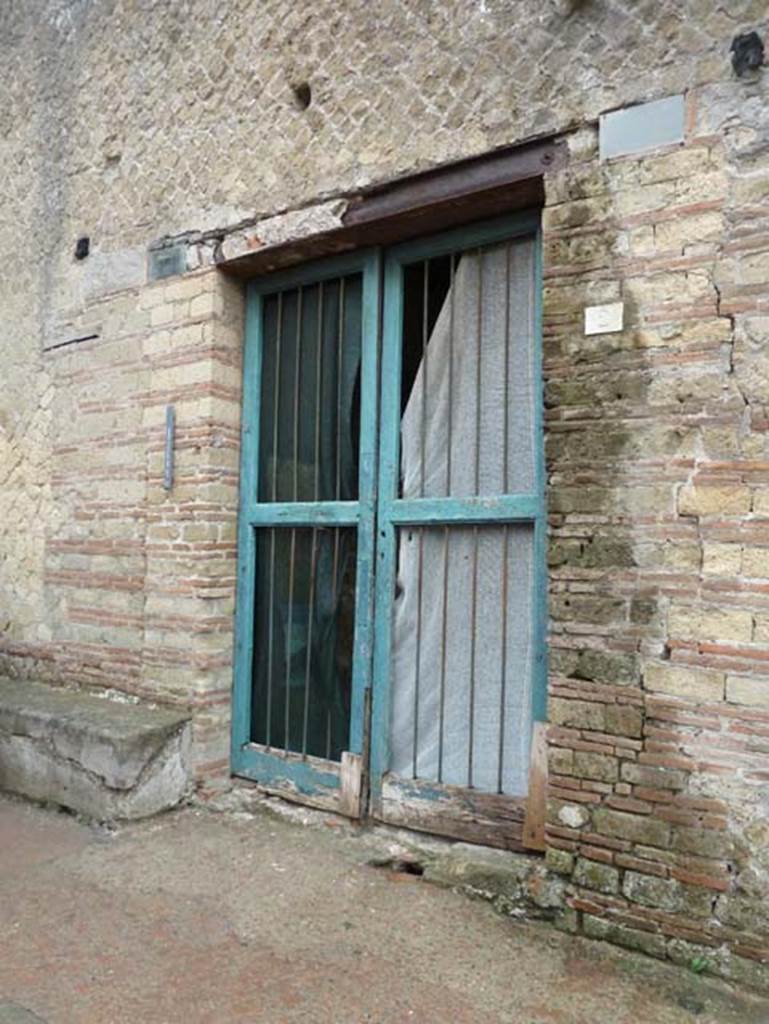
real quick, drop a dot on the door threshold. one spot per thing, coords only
(518, 884)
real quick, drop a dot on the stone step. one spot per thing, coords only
(105, 759)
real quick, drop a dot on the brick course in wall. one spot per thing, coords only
(138, 130)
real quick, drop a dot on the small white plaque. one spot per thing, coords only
(604, 319)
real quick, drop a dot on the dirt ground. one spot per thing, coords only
(203, 917)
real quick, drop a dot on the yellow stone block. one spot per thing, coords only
(761, 503)
(747, 690)
(755, 562)
(161, 315)
(690, 682)
(714, 500)
(721, 559)
(695, 623)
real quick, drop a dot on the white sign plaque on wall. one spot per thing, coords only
(641, 127)
(604, 319)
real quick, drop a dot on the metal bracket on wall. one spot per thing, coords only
(168, 454)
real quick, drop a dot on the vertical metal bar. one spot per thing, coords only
(473, 623)
(337, 473)
(418, 666)
(507, 371)
(314, 546)
(318, 375)
(449, 435)
(338, 439)
(336, 599)
(503, 681)
(339, 342)
(420, 530)
(308, 659)
(276, 397)
(474, 606)
(297, 377)
(292, 556)
(423, 418)
(289, 637)
(478, 376)
(270, 638)
(449, 443)
(335, 566)
(444, 637)
(274, 494)
(506, 533)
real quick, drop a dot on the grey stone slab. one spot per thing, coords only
(167, 262)
(97, 756)
(111, 739)
(106, 272)
(641, 127)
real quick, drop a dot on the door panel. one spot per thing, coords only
(454, 811)
(304, 619)
(462, 656)
(310, 396)
(459, 658)
(468, 374)
(306, 530)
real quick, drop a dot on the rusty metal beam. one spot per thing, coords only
(444, 197)
(453, 183)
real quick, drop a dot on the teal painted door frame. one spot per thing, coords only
(378, 513)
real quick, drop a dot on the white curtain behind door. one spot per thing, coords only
(462, 667)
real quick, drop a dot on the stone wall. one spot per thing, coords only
(657, 458)
(134, 123)
(139, 581)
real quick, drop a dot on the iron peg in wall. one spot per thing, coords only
(168, 455)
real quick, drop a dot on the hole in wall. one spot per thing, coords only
(302, 94)
(408, 867)
(399, 865)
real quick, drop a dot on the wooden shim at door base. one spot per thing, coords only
(350, 779)
(534, 818)
(489, 819)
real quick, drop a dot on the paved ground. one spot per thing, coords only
(200, 917)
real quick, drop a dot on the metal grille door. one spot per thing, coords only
(391, 535)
